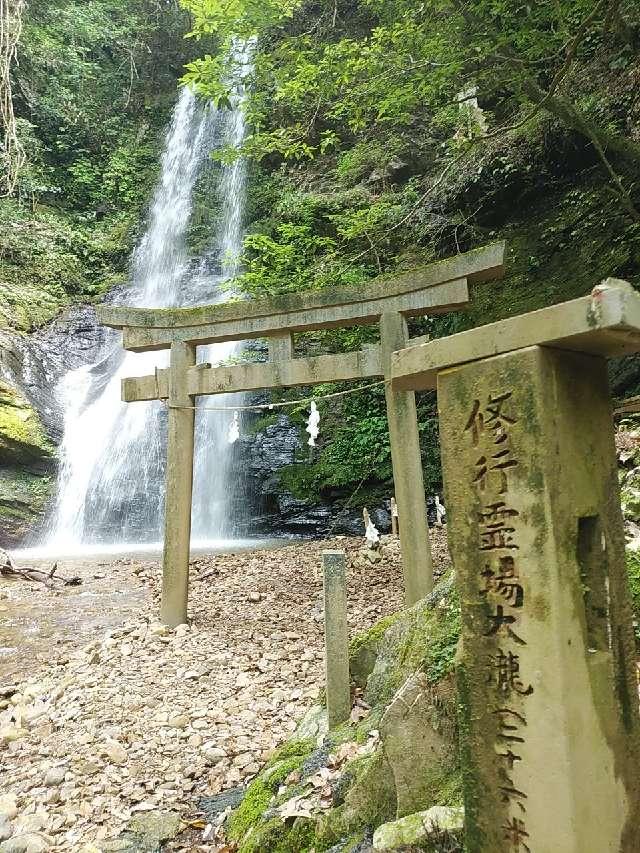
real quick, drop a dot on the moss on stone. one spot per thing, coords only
(261, 792)
(278, 836)
(277, 774)
(23, 494)
(424, 638)
(249, 812)
(22, 437)
(292, 749)
(633, 573)
(26, 466)
(369, 802)
(363, 649)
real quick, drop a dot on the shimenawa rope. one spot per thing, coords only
(268, 406)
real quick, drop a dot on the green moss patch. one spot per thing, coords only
(423, 638)
(633, 573)
(261, 792)
(363, 649)
(22, 437)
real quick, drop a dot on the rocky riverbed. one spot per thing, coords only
(135, 723)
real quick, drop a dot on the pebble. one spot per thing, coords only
(54, 777)
(5, 829)
(29, 842)
(8, 806)
(115, 752)
(179, 722)
(9, 734)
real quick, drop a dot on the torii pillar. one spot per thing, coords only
(547, 674)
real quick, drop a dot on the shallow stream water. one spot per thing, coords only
(38, 626)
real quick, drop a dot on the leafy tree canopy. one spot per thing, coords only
(328, 75)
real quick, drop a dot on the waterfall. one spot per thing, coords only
(111, 480)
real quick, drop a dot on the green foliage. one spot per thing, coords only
(95, 80)
(293, 260)
(93, 89)
(49, 257)
(368, 163)
(633, 573)
(360, 160)
(384, 67)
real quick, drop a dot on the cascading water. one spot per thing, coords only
(111, 481)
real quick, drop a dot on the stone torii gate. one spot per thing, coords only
(433, 289)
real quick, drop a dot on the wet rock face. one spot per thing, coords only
(34, 364)
(260, 458)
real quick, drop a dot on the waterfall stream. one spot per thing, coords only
(111, 481)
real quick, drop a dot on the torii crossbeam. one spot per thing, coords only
(433, 289)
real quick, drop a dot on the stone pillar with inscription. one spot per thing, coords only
(547, 669)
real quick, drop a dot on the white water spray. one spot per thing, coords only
(111, 481)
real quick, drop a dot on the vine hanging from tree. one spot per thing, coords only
(12, 153)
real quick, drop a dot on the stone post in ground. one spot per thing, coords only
(177, 521)
(394, 517)
(336, 637)
(407, 468)
(547, 670)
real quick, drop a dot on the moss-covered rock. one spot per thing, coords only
(247, 826)
(145, 833)
(22, 437)
(418, 731)
(27, 461)
(364, 648)
(370, 801)
(429, 830)
(423, 638)
(366, 762)
(23, 497)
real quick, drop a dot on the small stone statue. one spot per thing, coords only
(440, 511)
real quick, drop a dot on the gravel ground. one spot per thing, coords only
(142, 718)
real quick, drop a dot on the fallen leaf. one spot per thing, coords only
(299, 806)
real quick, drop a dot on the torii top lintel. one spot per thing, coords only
(439, 287)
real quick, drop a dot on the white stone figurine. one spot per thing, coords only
(234, 429)
(313, 425)
(440, 511)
